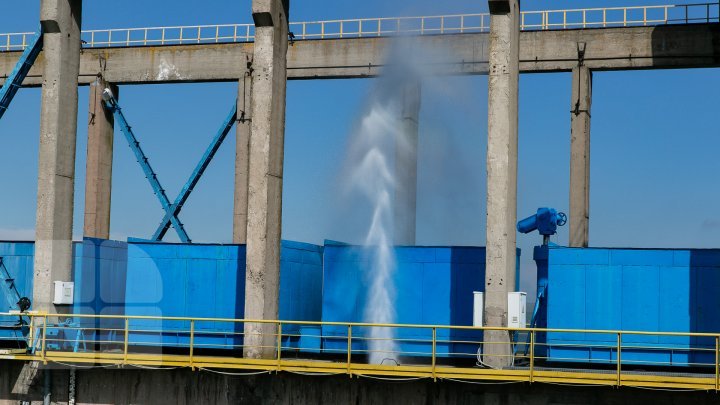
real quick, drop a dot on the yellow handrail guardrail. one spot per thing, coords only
(416, 351)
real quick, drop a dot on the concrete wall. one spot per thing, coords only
(188, 387)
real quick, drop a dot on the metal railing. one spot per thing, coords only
(373, 27)
(599, 357)
(620, 16)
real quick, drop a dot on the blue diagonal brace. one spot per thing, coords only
(196, 174)
(111, 104)
(9, 290)
(22, 67)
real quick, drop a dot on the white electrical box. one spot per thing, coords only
(478, 308)
(64, 291)
(516, 310)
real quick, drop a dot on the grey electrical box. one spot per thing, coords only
(64, 291)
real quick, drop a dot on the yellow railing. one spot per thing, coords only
(388, 26)
(438, 352)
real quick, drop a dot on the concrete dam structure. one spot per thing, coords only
(266, 320)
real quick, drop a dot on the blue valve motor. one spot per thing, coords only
(545, 221)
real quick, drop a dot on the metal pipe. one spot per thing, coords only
(71, 387)
(717, 363)
(619, 358)
(349, 351)
(46, 386)
(532, 355)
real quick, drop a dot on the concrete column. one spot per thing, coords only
(98, 172)
(262, 280)
(580, 156)
(501, 176)
(406, 166)
(61, 21)
(242, 158)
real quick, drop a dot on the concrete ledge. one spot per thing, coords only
(105, 386)
(662, 47)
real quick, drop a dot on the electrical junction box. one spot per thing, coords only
(64, 291)
(478, 308)
(517, 317)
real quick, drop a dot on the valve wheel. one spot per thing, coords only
(562, 219)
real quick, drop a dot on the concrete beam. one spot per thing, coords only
(98, 172)
(267, 141)
(580, 156)
(406, 165)
(61, 20)
(663, 47)
(502, 159)
(242, 158)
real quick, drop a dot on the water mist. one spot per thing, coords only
(373, 148)
(379, 177)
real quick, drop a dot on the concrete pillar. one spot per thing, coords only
(98, 172)
(580, 156)
(501, 176)
(242, 159)
(262, 280)
(406, 166)
(61, 21)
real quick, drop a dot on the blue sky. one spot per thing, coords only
(654, 141)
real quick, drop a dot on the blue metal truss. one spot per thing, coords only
(22, 67)
(111, 105)
(196, 174)
(171, 209)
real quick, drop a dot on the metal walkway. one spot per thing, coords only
(388, 26)
(429, 351)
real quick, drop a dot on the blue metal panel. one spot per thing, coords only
(99, 273)
(641, 257)
(300, 283)
(310, 339)
(640, 298)
(201, 290)
(408, 254)
(675, 303)
(410, 292)
(184, 283)
(603, 284)
(433, 285)
(209, 281)
(707, 305)
(670, 290)
(574, 256)
(341, 300)
(565, 298)
(437, 307)
(18, 260)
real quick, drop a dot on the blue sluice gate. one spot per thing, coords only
(168, 280)
(665, 290)
(430, 286)
(653, 290)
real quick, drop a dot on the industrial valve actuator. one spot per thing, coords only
(545, 221)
